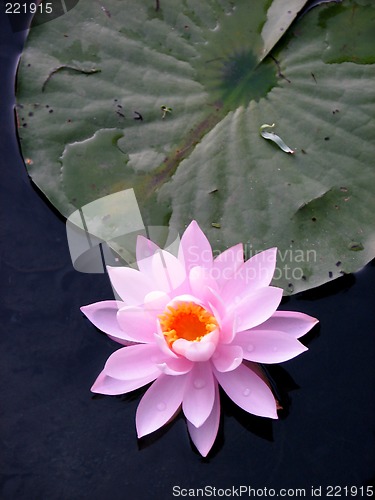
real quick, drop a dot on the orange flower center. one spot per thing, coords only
(186, 320)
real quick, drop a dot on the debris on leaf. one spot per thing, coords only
(271, 136)
(356, 246)
(165, 110)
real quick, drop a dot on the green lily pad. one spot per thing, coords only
(169, 101)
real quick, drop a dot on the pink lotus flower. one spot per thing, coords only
(193, 323)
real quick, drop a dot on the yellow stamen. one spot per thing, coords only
(186, 320)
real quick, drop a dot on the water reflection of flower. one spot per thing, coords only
(191, 323)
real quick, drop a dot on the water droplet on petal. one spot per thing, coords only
(161, 406)
(199, 383)
(250, 347)
(246, 392)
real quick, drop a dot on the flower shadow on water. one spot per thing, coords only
(281, 382)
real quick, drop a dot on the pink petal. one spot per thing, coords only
(160, 403)
(224, 315)
(227, 357)
(199, 394)
(228, 328)
(120, 341)
(156, 302)
(112, 386)
(104, 316)
(293, 323)
(195, 249)
(226, 264)
(197, 350)
(201, 283)
(267, 346)
(256, 272)
(168, 272)
(261, 267)
(145, 249)
(185, 298)
(216, 303)
(163, 345)
(176, 366)
(248, 391)
(164, 269)
(256, 307)
(137, 324)
(134, 362)
(204, 436)
(131, 285)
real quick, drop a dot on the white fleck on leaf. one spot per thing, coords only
(271, 136)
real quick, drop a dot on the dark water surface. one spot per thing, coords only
(57, 441)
